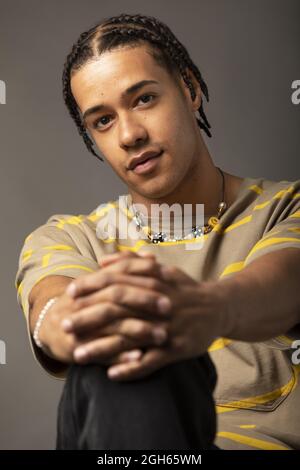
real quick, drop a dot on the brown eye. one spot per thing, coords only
(146, 98)
(103, 121)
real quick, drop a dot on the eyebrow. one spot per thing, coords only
(129, 91)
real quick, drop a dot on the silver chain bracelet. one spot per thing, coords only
(40, 320)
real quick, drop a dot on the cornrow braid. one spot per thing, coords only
(130, 29)
(80, 53)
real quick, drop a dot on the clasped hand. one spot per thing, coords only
(145, 314)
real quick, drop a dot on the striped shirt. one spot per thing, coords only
(257, 394)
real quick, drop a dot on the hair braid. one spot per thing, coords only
(79, 54)
(130, 29)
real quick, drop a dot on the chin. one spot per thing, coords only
(157, 190)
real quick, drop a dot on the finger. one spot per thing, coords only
(98, 317)
(143, 331)
(152, 360)
(125, 357)
(111, 258)
(95, 317)
(146, 282)
(103, 348)
(174, 274)
(139, 331)
(122, 358)
(135, 297)
(128, 356)
(140, 266)
(98, 279)
(131, 296)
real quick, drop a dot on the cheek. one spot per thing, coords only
(178, 144)
(173, 125)
(107, 147)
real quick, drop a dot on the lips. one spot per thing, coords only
(134, 162)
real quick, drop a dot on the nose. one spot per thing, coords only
(131, 132)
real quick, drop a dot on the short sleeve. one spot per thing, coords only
(59, 247)
(282, 231)
(283, 227)
(52, 249)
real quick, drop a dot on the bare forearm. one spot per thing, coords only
(50, 286)
(263, 301)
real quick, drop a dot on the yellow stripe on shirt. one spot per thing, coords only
(271, 241)
(219, 343)
(74, 220)
(295, 215)
(58, 247)
(45, 259)
(251, 441)
(233, 268)
(251, 402)
(262, 205)
(256, 189)
(243, 221)
(27, 254)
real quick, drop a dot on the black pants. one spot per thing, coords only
(171, 409)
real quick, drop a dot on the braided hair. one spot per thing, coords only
(130, 30)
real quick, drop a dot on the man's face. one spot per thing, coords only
(156, 116)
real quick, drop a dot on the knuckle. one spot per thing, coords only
(150, 264)
(116, 293)
(154, 284)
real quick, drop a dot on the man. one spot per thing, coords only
(137, 321)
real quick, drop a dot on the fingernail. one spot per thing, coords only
(71, 289)
(67, 324)
(164, 304)
(113, 372)
(159, 335)
(132, 355)
(80, 353)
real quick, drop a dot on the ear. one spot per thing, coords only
(196, 103)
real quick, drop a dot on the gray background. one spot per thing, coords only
(248, 52)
